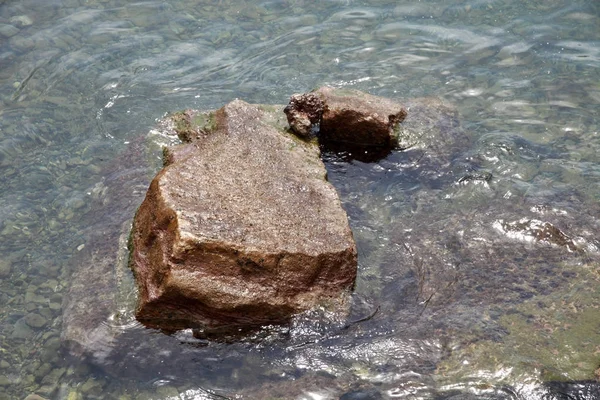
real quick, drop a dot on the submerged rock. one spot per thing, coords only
(241, 227)
(5, 268)
(97, 318)
(101, 287)
(534, 230)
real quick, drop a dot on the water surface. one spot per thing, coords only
(475, 292)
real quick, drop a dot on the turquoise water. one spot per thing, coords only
(470, 299)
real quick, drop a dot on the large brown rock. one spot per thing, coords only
(240, 228)
(346, 116)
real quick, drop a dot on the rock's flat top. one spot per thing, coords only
(251, 184)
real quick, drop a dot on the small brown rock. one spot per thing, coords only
(346, 116)
(359, 118)
(303, 113)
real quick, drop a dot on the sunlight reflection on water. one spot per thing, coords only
(467, 301)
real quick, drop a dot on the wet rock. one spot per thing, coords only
(34, 397)
(358, 118)
(346, 116)
(303, 113)
(51, 347)
(443, 252)
(21, 21)
(92, 386)
(89, 326)
(475, 177)
(190, 125)
(167, 392)
(42, 371)
(5, 268)
(582, 390)
(35, 320)
(8, 30)
(366, 394)
(456, 395)
(534, 230)
(241, 228)
(92, 326)
(570, 390)
(21, 330)
(74, 395)
(308, 386)
(32, 297)
(54, 376)
(86, 331)
(432, 126)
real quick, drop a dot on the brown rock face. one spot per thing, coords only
(241, 228)
(346, 116)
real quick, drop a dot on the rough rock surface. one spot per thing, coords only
(346, 116)
(241, 227)
(303, 113)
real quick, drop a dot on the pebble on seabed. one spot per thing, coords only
(21, 21)
(35, 397)
(5, 268)
(35, 320)
(7, 31)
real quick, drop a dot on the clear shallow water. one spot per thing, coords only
(466, 303)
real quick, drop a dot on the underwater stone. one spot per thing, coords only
(92, 386)
(35, 320)
(241, 228)
(366, 394)
(5, 268)
(47, 389)
(32, 297)
(533, 230)
(42, 371)
(21, 330)
(34, 397)
(8, 30)
(21, 21)
(51, 347)
(167, 392)
(88, 309)
(54, 376)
